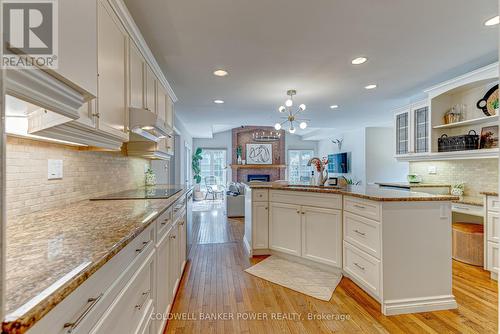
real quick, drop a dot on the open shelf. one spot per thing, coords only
(474, 121)
(486, 153)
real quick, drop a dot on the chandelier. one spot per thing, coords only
(291, 117)
(266, 135)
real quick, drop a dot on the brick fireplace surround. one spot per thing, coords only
(242, 136)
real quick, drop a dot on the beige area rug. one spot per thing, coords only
(308, 280)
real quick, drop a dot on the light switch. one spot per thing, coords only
(55, 169)
(432, 170)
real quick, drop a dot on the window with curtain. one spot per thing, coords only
(213, 164)
(298, 171)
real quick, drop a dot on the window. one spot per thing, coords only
(213, 164)
(298, 171)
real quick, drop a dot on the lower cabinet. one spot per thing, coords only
(319, 228)
(174, 262)
(310, 232)
(182, 241)
(284, 228)
(260, 225)
(163, 288)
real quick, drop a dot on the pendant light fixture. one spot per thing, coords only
(291, 118)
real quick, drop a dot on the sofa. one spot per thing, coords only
(235, 200)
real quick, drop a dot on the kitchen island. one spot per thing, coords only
(396, 245)
(79, 268)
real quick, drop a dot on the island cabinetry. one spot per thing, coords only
(492, 208)
(284, 228)
(260, 233)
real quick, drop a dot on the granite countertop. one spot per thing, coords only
(367, 192)
(413, 185)
(470, 200)
(489, 193)
(61, 248)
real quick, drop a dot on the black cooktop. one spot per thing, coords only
(142, 193)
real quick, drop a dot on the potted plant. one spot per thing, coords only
(195, 165)
(238, 154)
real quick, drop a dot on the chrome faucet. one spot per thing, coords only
(322, 177)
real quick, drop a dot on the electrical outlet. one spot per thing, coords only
(54, 169)
(432, 170)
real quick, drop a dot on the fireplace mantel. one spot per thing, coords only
(257, 166)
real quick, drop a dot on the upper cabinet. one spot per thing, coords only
(112, 109)
(150, 90)
(450, 110)
(136, 77)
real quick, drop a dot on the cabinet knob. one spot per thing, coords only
(298, 211)
(96, 115)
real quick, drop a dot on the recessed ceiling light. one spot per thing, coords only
(371, 86)
(334, 106)
(219, 101)
(359, 60)
(220, 73)
(493, 21)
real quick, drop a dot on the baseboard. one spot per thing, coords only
(494, 276)
(415, 305)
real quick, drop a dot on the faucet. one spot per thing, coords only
(322, 175)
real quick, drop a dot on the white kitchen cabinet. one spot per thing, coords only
(136, 77)
(77, 62)
(150, 89)
(170, 112)
(112, 111)
(412, 129)
(161, 103)
(285, 228)
(182, 242)
(260, 225)
(163, 288)
(492, 237)
(174, 261)
(318, 228)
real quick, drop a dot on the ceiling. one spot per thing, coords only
(271, 46)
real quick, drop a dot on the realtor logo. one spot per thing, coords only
(29, 33)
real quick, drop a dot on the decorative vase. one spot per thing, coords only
(150, 178)
(239, 160)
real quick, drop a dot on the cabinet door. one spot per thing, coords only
(182, 244)
(163, 288)
(136, 77)
(421, 129)
(174, 260)
(260, 225)
(112, 45)
(284, 228)
(161, 103)
(402, 128)
(77, 59)
(150, 89)
(169, 118)
(322, 235)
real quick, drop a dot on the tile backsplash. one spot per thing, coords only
(478, 175)
(85, 174)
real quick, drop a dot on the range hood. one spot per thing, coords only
(148, 125)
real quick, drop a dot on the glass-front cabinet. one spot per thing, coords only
(412, 129)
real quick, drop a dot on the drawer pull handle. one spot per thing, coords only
(181, 223)
(71, 326)
(141, 305)
(144, 245)
(360, 267)
(165, 222)
(360, 233)
(172, 237)
(359, 206)
(461, 208)
(298, 211)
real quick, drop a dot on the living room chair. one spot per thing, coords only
(213, 188)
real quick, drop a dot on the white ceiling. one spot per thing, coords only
(271, 46)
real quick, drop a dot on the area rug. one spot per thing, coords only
(305, 279)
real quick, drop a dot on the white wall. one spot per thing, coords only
(380, 162)
(221, 140)
(354, 143)
(372, 151)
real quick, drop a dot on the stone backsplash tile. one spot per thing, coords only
(85, 174)
(478, 175)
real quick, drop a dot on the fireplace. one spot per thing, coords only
(258, 177)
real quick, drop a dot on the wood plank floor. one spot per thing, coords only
(215, 286)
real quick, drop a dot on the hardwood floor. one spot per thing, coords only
(215, 285)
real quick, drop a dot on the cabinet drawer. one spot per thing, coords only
(493, 204)
(163, 224)
(492, 264)
(179, 207)
(322, 200)
(363, 268)
(84, 306)
(468, 209)
(260, 195)
(362, 232)
(362, 207)
(133, 305)
(493, 228)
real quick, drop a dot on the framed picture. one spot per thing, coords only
(259, 154)
(489, 137)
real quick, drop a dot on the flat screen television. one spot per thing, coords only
(338, 163)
